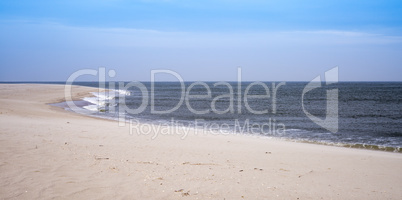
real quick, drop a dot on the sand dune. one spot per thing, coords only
(49, 153)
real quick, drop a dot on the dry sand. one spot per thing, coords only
(49, 153)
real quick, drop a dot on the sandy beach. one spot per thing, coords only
(49, 153)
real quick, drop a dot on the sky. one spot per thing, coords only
(289, 40)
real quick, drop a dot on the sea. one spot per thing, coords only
(349, 114)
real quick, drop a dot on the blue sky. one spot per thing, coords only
(201, 40)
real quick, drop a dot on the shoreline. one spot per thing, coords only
(48, 153)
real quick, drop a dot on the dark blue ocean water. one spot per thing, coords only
(369, 113)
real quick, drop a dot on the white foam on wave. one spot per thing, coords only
(93, 108)
(123, 92)
(101, 100)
